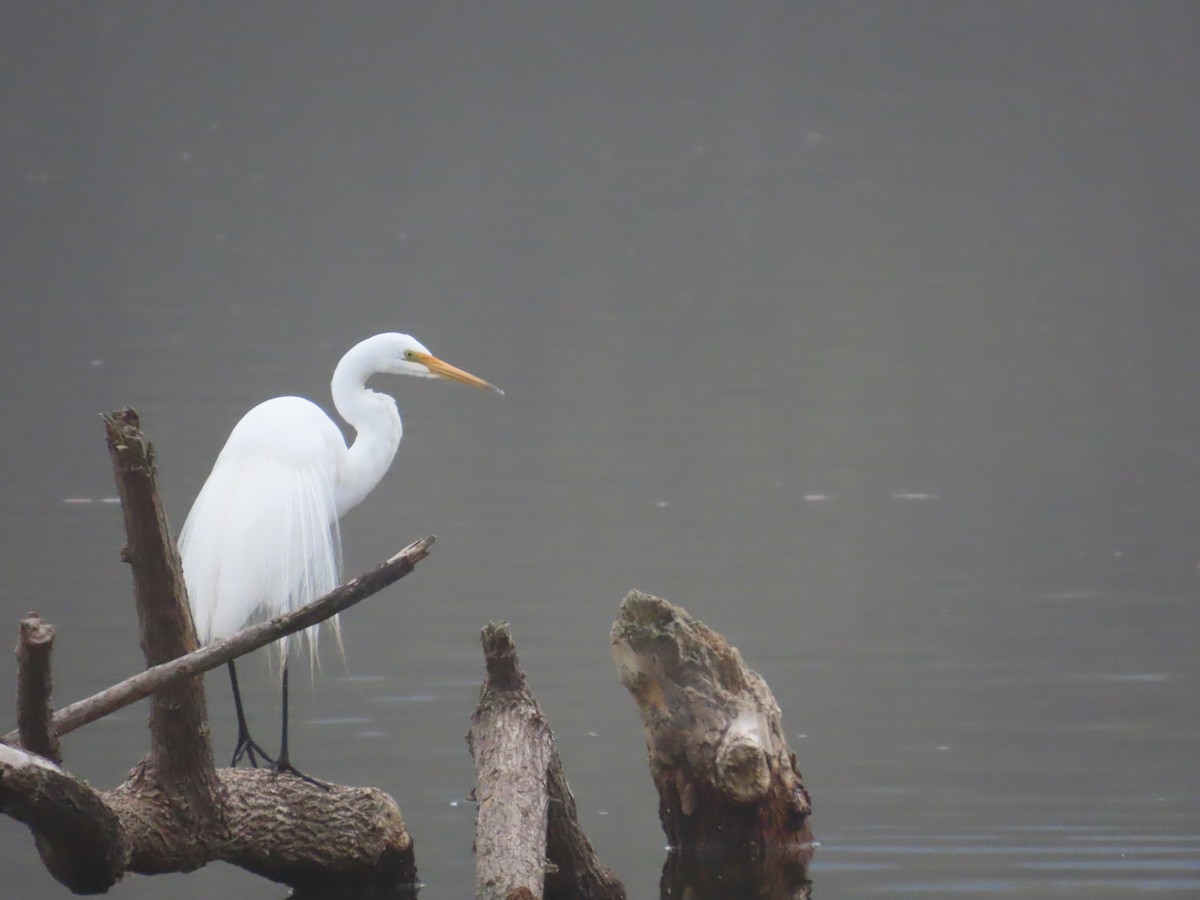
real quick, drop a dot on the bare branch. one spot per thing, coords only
(142, 685)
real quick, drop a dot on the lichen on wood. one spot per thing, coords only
(726, 777)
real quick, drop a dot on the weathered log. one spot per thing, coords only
(80, 839)
(727, 781)
(528, 841)
(280, 827)
(35, 728)
(510, 743)
(143, 684)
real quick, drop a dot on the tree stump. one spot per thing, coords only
(727, 781)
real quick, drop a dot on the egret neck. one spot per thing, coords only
(374, 418)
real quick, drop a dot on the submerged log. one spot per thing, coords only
(728, 784)
(528, 842)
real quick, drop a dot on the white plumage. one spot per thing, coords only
(262, 537)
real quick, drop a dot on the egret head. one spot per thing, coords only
(405, 355)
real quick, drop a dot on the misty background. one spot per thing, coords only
(866, 332)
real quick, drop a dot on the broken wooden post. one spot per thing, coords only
(510, 743)
(528, 842)
(35, 718)
(727, 782)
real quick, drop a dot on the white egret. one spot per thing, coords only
(262, 537)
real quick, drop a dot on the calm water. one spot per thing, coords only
(866, 332)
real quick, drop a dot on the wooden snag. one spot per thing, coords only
(728, 784)
(528, 842)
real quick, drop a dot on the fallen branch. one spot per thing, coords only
(143, 684)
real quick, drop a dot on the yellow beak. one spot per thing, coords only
(445, 370)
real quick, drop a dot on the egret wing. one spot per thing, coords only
(262, 537)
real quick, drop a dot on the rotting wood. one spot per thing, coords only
(175, 812)
(528, 839)
(727, 781)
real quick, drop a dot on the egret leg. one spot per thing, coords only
(283, 762)
(246, 745)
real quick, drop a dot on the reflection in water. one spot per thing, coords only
(778, 875)
(1013, 861)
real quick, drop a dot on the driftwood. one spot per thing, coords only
(528, 842)
(731, 799)
(176, 811)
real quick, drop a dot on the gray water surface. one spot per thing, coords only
(866, 332)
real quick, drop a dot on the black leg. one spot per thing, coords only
(245, 744)
(283, 763)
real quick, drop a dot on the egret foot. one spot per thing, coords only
(282, 766)
(247, 747)
(284, 762)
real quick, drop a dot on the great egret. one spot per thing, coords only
(262, 537)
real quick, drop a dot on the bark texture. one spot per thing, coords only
(510, 743)
(528, 842)
(279, 827)
(727, 780)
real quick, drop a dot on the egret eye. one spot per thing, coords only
(408, 354)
